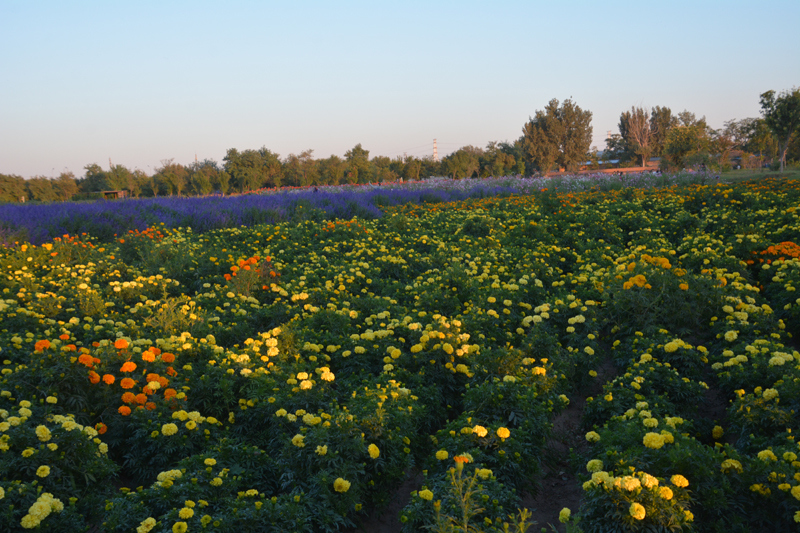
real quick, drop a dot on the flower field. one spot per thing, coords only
(290, 376)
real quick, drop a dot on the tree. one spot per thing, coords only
(635, 126)
(558, 134)
(12, 188)
(358, 170)
(661, 121)
(64, 186)
(40, 189)
(172, 176)
(332, 170)
(782, 116)
(412, 168)
(685, 146)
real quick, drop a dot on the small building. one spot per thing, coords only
(114, 195)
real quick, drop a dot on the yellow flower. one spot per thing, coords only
(43, 471)
(425, 494)
(595, 465)
(480, 431)
(374, 452)
(43, 433)
(503, 433)
(592, 436)
(637, 511)
(731, 336)
(186, 513)
(665, 492)
(564, 515)
(180, 527)
(322, 450)
(210, 461)
(484, 473)
(679, 481)
(653, 440)
(717, 432)
(767, 455)
(442, 455)
(297, 440)
(341, 485)
(169, 429)
(216, 482)
(147, 525)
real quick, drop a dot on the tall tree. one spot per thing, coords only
(558, 134)
(332, 170)
(64, 186)
(635, 127)
(40, 189)
(782, 116)
(358, 169)
(12, 188)
(172, 176)
(661, 121)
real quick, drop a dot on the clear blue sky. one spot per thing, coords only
(143, 81)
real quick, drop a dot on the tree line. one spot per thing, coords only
(558, 135)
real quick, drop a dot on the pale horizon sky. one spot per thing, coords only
(140, 82)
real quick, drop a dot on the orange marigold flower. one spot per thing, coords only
(147, 390)
(124, 410)
(128, 397)
(149, 406)
(94, 377)
(101, 428)
(96, 344)
(64, 337)
(128, 366)
(156, 351)
(127, 383)
(108, 379)
(169, 393)
(152, 376)
(120, 344)
(71, 347)
(42, 345)
(140, 399)
(86, 360)
(171, 371)
(168, 357)
(148, 356)
(461, 459)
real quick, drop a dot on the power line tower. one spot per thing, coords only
(435, 152)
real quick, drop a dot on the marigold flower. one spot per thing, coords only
(425, 494)
(94, 377)
(140, 398)
(128, 397)
(124, 410)
(595, 465)
(653, 440)
(374, 452)
(180, 527)
(480, 431)
(665, 493)
(120, 344)
(503, 433)
(41, 345)
(169, 429)
(127, 383)
(167, 357)
(341, 485)
(108, 379)
(86, 360)
(564, 515)
(679, 481)
(297, 440)
(148, 356)
(169, 393)
(442, 455)
(637, 511)
(592, 436)
(461, 459)
(150, 406)
(128, 366)
(101, 428)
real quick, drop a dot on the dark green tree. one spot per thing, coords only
(12, 188)
(782, 116)
(358, 168)
(561, 134)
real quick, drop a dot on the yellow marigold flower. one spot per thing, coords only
(767, 455)
(216, 482)
(341, 485)
(679, 481)
(564, 515)
(650, 422)
(503, 433)
(186, 513)
(592, 436)
(210, 461)
(425, 494)
(27, 452)
(147, 525)
(595, 465)
(306, 384)
(297, 440)
(191, 424)
(789, 457)
(609, 397)
(637, 511)
(442, 455)
(43, 471)
(374, 452)
(43, 433)
(480, 431)
(731, 464)
(484, 473)
(665, 493)
(180, 527)
(769, 394)
(653, 440)
(169, 429)
(589, 350)
(322, 450)
(731, 336)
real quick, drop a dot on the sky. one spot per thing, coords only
(142, 82)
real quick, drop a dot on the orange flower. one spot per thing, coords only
(128, 366)
(169, 393)
(108, 379)
(167, 357)
(42, 345)
(684, 287)
(128, 397)
(64, 337)
(149, 406)
(152, 376)
(461, 459)
(147, 390)
(127, 383)
(120, 344)
(171, 371)
(101, 428)
(155, 350)
(148, 356)
(96, 344)
(71, 347)
(124, 410)
(94, 377)
(140, 398)
(86, 360)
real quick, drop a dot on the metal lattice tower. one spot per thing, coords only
(435, 152)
